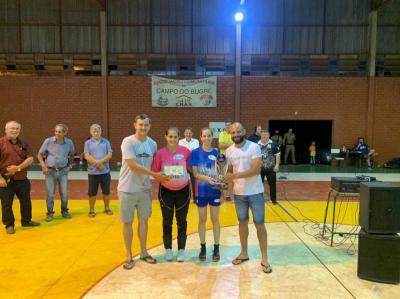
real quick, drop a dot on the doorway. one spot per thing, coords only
(306, 131)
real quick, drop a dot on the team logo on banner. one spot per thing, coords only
(162, 101)
(206, 99)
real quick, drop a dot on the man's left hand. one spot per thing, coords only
(229, 177)
(276, 168)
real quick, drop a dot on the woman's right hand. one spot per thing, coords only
(211, 181)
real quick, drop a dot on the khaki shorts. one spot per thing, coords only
(128, 202)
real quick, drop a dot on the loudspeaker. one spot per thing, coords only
(379, 257)
(380, 207)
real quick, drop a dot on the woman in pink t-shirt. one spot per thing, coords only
(174, 194)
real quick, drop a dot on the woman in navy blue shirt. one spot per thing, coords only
(203, 161)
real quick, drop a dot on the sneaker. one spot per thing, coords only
(31, 223)
(66, 215)
(169, 256)
(49, 217)
(181, 255)
(10, 230)
(274, 202)
(203, 254)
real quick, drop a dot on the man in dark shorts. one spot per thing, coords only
(98, 152)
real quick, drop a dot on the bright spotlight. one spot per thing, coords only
(239, 17)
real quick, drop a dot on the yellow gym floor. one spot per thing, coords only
(65, 258)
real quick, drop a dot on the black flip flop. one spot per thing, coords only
(128, 265)
(149, 259)
(266, 268)
(239, 261)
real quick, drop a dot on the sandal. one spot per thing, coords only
(238, 261)
(149, 259)
(128, 265)
(91, 214)
(108, 212)
(266, 268)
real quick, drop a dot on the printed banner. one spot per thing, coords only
(216, 127)
(184, 93)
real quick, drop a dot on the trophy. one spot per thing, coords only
(221, 167)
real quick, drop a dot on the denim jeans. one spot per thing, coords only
(255, 203)
(57, 178)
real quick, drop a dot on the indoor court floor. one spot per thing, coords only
(82, 256)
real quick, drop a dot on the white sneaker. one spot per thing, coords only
(169, 256)
(181, 255)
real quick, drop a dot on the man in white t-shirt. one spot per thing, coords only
(244, 159)
(189, 142)
(134, 186)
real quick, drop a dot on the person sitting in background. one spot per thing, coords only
(364, 151)
(313, 152)
(256, 136)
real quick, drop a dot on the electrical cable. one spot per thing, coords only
(311, 225)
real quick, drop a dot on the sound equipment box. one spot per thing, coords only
(379, 257)
(366, 178)
(380, 207)
(345, 184)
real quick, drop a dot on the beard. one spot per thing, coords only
(238, 139)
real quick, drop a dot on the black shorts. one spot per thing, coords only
(104, 180)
